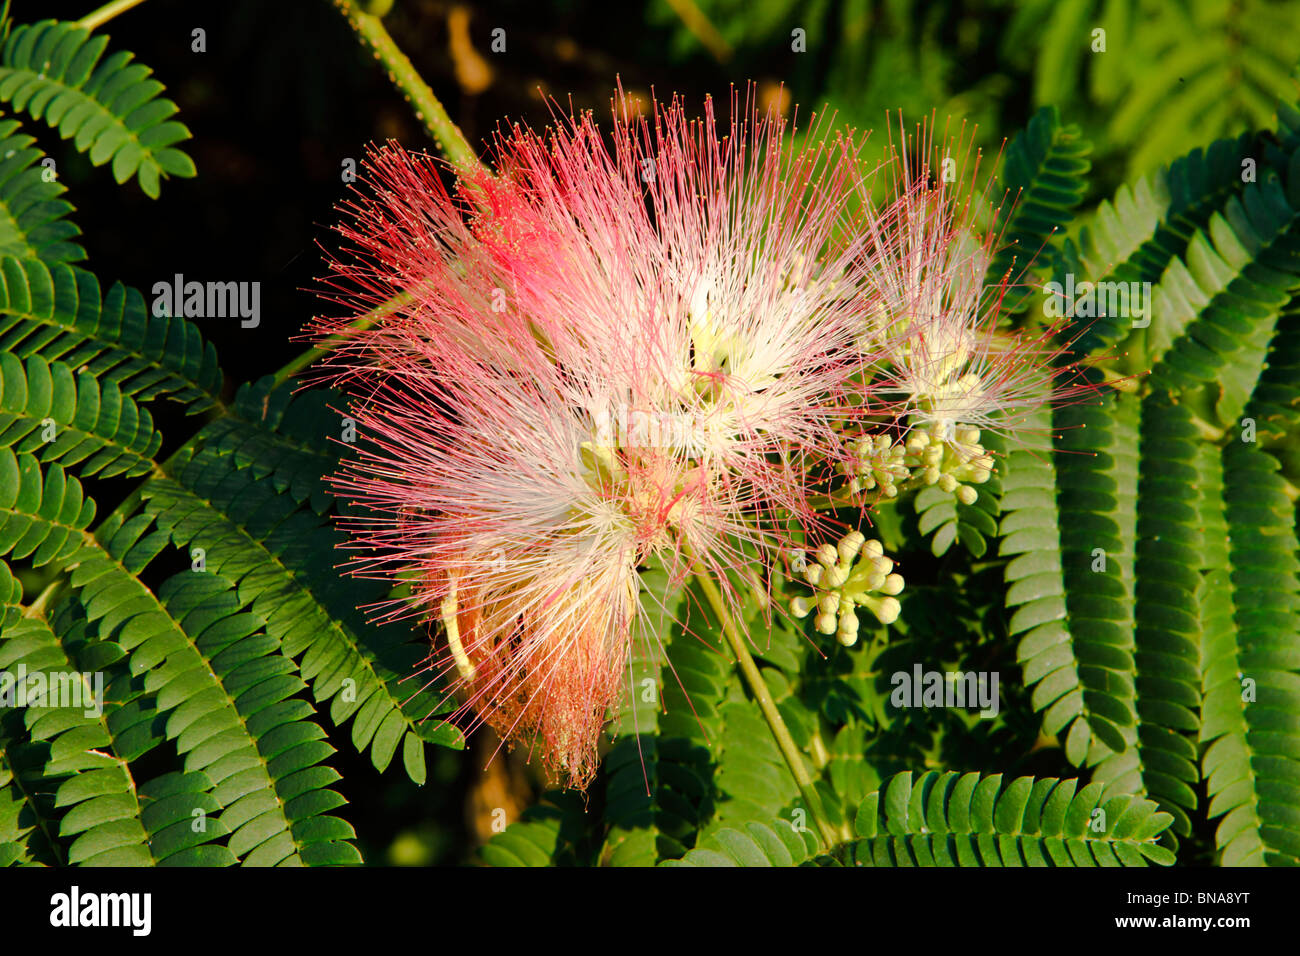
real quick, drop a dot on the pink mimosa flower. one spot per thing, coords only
(938, 318)
(601, 357)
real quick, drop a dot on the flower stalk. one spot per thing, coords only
(428, 108)
(763, 696)
(297, 364)
(108, 11)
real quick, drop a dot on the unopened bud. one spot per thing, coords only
(888, 610)
(848, 629)
(850, 545)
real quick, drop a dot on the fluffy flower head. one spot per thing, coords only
(601, 356)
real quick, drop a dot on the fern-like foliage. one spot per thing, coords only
(200, 659)
(281, 558)
(203, 615)
(1159, 756)
(47, 409)
(945, 519)
(109, 106)
(110, 817)
(56, 312)
(754, 845)
(1144, 230)
(1137, 632)
(33, 214)
(953, 819)
(1043, 175)
(1153, 76)
(1031, 539)
(1251, 671)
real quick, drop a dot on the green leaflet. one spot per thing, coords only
(954, 819)
(280, 437)
(1247, 275)
(1252, 667)
(230, 711)
(1159, 758)
(27, 824)
(43, 514)
(1096, 493)
(1169, 491)
(1141, 231)
(1036, 588)
(109, 817)
(946, 519)
(755, 845)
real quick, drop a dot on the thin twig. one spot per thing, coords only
(320, 351)
(428, 108)
(107, 12)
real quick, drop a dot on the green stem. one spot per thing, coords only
(835, 500)
(844, 497)
(107, 12)
(320, 351)
(775, 722)
(429, 110)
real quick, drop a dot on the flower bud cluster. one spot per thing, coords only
(950, 457)
(851, 574)
(878, 464)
